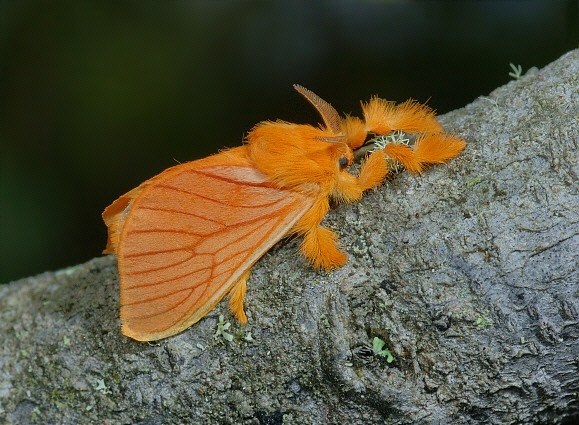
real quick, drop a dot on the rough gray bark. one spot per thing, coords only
(469, 273)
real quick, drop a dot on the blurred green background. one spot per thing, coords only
(96, 97)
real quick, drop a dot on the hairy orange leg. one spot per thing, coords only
(319, 244)
(382, 117)
(350, 188)
(236, 297)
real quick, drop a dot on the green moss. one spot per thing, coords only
(483, 322)
(378, 347)
(222, 328)
(474, 182)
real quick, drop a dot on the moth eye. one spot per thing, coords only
(369, 136)
(343, 162)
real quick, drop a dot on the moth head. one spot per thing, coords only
(333, 124)
(293, 154)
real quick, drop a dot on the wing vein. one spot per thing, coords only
(148, 316)
(208, 198)
(159, 282)
(238, 182)
(155, 269)
(224, 230)
(245, 257)
(161, 251)
(253, 220)
(182, 232)
(169, 210)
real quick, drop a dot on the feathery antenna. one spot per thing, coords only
(327, 111)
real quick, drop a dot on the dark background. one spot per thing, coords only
(96, 97)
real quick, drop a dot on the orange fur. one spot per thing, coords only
(188, 236)
(383, 117)
(236, 297)
(356, 131)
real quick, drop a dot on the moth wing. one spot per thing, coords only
(189, 236)
(115, 214)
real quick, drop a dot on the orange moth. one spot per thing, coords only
(188, 236)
